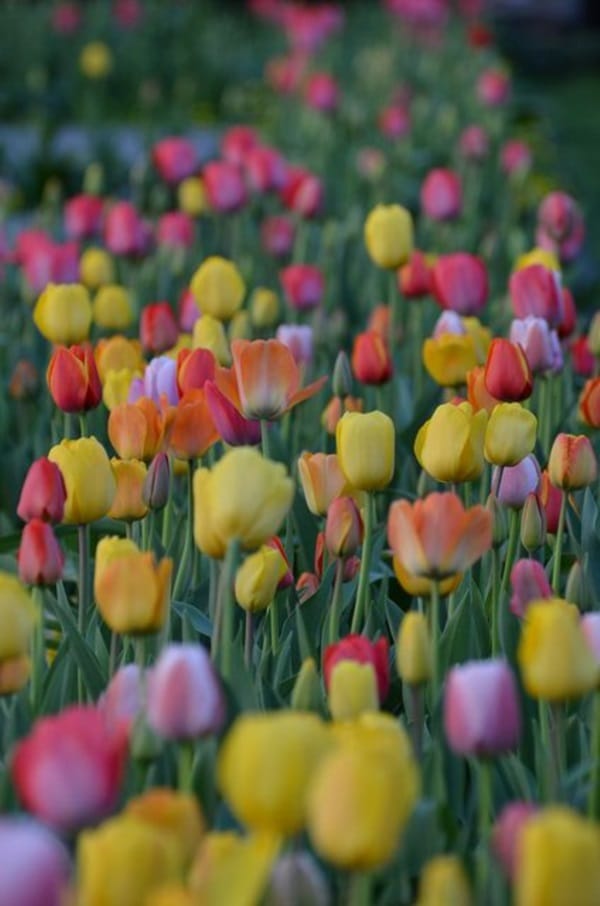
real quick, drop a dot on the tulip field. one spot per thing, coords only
(299, 531)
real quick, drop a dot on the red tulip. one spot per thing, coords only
(358, 648)
(83, 216)
(175, 230)
(568, 322)
(551, 499)
(584, 360)
(507, 831)
(371, 360)
(237, 142)
(194, 368)
(536, 290)
(225, 188)
(303, 192)
(230, 423)
(508, 376)
(175, 158)
(43, 493)
(73, 379)
(277, 236)
(414, 278)
(266, 169)
(158, 327)
(40, 558)
(460, 283)
(441, 195)
(303, 285)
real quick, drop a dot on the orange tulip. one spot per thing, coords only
(436, 537)
(268, 378)
(477, 393)
(193, 431)
(589, 403)
(334, 410)
(116, 353)
(322, 480)
(139, 430)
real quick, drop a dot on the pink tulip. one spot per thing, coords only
(512, 484)
(266, 169)
(299, 340)
(528, 582)
(459, 282)
(540, 344)
(175, 159)
(394, 121)
(83, 216)
(506, 832)
(441, 195)
(561, 227)
(175, 230)
(124, 231)
(234, 429)
(40, 558)
(43, 493)
(303, 192)
(515, 157)
(303, 285)
(128, 13)
(35, 866)
(322, 92)
(285, 74)
(493, 88)
(185, 699)
(590, 624)
(121, 703)
(66, 18)
(277, 236)
(536, 290)
(225, 187)
(237, 142)
(481, 709)
(474, 143)
(158, 327)
(187, 311)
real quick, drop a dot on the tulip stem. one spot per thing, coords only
(82, 425)
(185, 767)
(249, 637)
(594, 800)
(559, 544)
(359, 889)
(435, 642)
(226, 605)
(417, 718)
(264, 438)
(556, 747)
(547, 782)
(365, 564)
(484, 778)
(511, 551)
(167, 518)
(194, 560)
(39, 656)
(335, 609)
(495, 602)
(83, 539)
(274, 626)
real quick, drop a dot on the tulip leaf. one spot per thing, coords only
(200, 622)
(86, 659)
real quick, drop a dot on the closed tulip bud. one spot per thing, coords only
(593, 335)
(560, 225)
(508, 376)
(499, 520)
(536, 290)
(209, 333)
(218, 288)
(63, 313)
(257, 579)
(449, 446)
(121, 703)
(277, 236)
(24, 381)
(306, 694)
(371, 360)
(556, 663)
(175, 231)
(444, 881)
(239, 327)
(441, 195)
(225, 187)
(265, 766)
(352, 690)
(474, 143)
(528, 582)
(36, 868)
(73, 379)
(132, 591)
(88, 478)
(575, 592)
(43, 493)
(481, 709)
(365, 448)
(297, 880)
(388, 235)
(558, 860)
(515, 157)
(506, 834)
(185, 698)
(343, 528)
(413, 649)
(157, 482)
(513, 484)
(551, 499)
(361, 650)
(175, 159)
(322, 480)
(85, 761)
(96, 268)
(572, 462)
(449, 357)
(589, 403)
(341, 381)
(533, 523)
(540, 344)
(130, 475)
(112, 308)
(18, 617)
(334, 410)
(83, 216)
(139, 430)
(158, 327)
(303, 286)
(460, 283)
(264, 307)
(191, 196)
(414, 278)
(510, 434)
(40, 557)
(582, 358)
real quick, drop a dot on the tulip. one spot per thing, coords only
(160, 381)
(116, 353)
(73, 379)
(40, 558)
(24, 381)
(444, 881)
(343, 528)
(96, 268)
(449, 446)
(508, 376)
(413, 649)
(510, 434)
(352, 690)
(550, 499)
(139, 430)
(481, 709)
(194, 368)
(175, 159)
(415, 276)
(540, 344)
(568, 322)
(441, 195)
(226, 511)
(302, 192)
(85, 762)
(175, 230)
(583, 359)
(394, 122)
(88, 478)
(418, 587)
(224, 185)
(334, 410)
(558, 860)
(533, 523)
(111, 308)
(474, 143)
(297, 878)
(158, 327)
(359, 649)
(371, 360)
(277, 236)
(561, 227)
(118, 387)
(43, 493)
(535, 290)
(299, 340)
(513, 484)
(388, 236)
(18, 617)
(322, 93)
(449, 357)
(122, 703)
(209, 333)
(322, 480)
(132, 591)
(265, 168)
(232, 869)
(35, 869)
(63, 313)
(193, 431)
(572, 462)
(264, 308)
(493, 88)
(477, 393)
(265, 766)
(176, 814)
(124, 230)
(185, 699)
(589, 403)
(95, 60)
(155, 489)
(555, 661)
(83, 216)
(236, 142)
(257, 580)
(218, 288)
(460, 283)
(224, 408)
(506, 834)
(191, 196)
(110, 850)
(365, 448)
(303, 285)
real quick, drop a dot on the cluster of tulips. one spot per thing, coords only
(303, 608)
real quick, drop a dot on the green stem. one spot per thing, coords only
(556, 747)
(359, 890)
(559, 544)
(112, 656)
(495, 601)
(435, 642)
(185, 767)
(82, 424)
(227, 606)
(84, 586)
(249, 638)
(195, 560)
(38, 666)
(484, 785)
(264, 438)
(417, 719)
(335, 608)
(594, 798)
(547, 782)
(167, 519)
(362, 594)
(511, 551)
(274, 627)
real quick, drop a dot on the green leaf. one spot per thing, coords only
(196, 617)
(87, 661)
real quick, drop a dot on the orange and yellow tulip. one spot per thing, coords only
(139, 430)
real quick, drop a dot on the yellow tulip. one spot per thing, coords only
(18, 617)
(174, 814)
(572, 463)
(449, 357)
(322, 480)
(444, 882)
(389, 235)
(240, 327)
(209, 333)
(231, 870)
(419, 587)
(63, 313)
(413, 650)
(89, 479)
(112, 308)
(449, 446)
(115, 389)
(244, 497)
(558, 860)
(171, 895)
(481, 336)
(352, 690)
(132, 591)
(130, 475)
(257, 578)
(555, 660)
(96, 268)
(95, 60)
(265, 766)
(366, 449)
(191, 196)
(218, 288)
(118, 352)
(123, 861)
(264, 307)
(538, 256)
(510, 434)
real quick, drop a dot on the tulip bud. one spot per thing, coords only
(257, 579)
(121, 703)
(63, 313)
(508, 376)
(388, 235)
(460, 283)
(306, 694)
(499, 520)
(359, 649)
(297, 880)
(343, 528)
(512, 484)
(533, 523)
(366, 449)
(589, 403)
(575, 591)
(158, 327)
(218, 288)
(371, 360)
(43, 493)
(239, 327)
(88, 478)
(264, 307)
(413, 650)
(112, 308)
(96, 268)
(352, 690)
(303, 285)
(342, 375)
(73, 379)
(130, 475)
(572, 462)
(550, 498)
(444, 881)
(481, 709)
(225, 187)
(209, 333)
(145, 744)
(41, 560)
(35, 868)
(593, 335)
(536, 290)
(529, 582)
(510, 434)
(506, 834)
(156, 486)
(441, 195)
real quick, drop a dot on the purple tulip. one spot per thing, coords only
(590, 624)
(529, 582)
(35, 867)
(540, 344)
(512, 484)
(160, 379)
